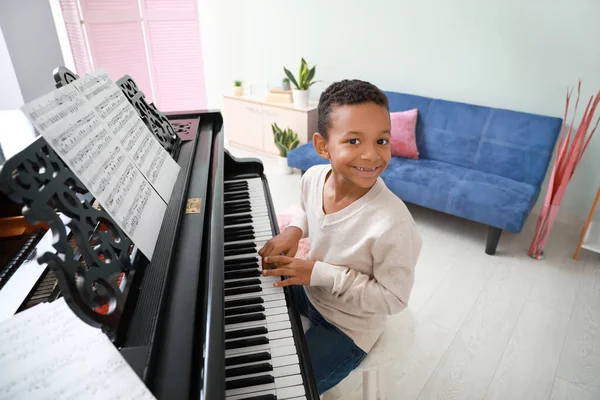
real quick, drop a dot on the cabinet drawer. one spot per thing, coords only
(243, 123)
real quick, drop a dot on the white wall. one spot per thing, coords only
(32, 42)
(516, 54)
(10, 92)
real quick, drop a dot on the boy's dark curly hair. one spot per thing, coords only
(346, 92)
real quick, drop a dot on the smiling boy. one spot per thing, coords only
(363, 241)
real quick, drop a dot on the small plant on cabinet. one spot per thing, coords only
(238, 89)
(304, 82)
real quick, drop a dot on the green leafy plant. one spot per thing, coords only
(285, 80)
(285, 139)
(305, 76)
(237, 83)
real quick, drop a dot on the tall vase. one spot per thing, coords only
(300, 98)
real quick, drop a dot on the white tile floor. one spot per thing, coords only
(481, 327)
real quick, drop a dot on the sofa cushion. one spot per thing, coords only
(475, 195)
(404, 142)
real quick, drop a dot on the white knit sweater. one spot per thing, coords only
(365, 257)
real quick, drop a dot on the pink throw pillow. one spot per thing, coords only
(404, 142)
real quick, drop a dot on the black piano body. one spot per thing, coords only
(169, 319)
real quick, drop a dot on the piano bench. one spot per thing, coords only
(374, 365)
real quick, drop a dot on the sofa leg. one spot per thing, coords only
(492, 240)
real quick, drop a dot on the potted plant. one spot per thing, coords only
(285, 140)
(238, 89)
(285, 84)
(304, 82)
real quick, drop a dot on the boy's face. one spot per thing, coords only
(358, 142)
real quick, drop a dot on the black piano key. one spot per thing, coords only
(249, 342)
(241, 230)
(245, 282)
(233, 246)
(247, 358)
(235, 238)
(240, 319)
(231, 268)
(237, 252)
(244, 310)
(241, 251)
(236, 196)
(243, 290)
(240, 333)
(250, 273)
(240, 260)
(248, 369)
(237, 219)
(235, 190)
(247, 382)
(230, 186)
(237, 203)
(237, 187)
(243, 302)
(237, 209)
(261, 397)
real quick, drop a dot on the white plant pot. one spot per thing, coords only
(283, 165)
(300, 98)
(238, 90)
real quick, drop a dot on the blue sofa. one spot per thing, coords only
(479, 163)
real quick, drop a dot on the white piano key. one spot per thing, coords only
(289, 393)
(280, 334)
(269, 321)
(279, 385)
(263, 285)
(262, 224)
(275, 361)
(264, 292)
(249, 214)
(271, 327)
(262, 279)
(267, 304)
(273, 344)
(277, 372)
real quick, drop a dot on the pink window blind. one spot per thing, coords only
(116, 40)
(175, 54)
(70, 10)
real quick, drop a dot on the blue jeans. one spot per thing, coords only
(333, 354)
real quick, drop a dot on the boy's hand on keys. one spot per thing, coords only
(285, 243)
(298, 270)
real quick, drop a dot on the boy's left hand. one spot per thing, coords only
(298, 270)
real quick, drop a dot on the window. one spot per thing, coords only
(156, 42)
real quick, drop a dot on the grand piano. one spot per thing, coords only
(197, 320)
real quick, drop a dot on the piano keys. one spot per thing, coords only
(199, 320)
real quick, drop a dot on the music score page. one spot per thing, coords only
(123, 120)
(81, 137)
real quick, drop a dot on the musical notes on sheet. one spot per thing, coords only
(137, 140)
(47, 352)
(83, 140)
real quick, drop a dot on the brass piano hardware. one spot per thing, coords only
(193, 205)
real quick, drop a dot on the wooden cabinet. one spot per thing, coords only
(247, 122)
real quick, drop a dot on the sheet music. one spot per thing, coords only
(123, 120)
(47, 352)
(73, 128)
